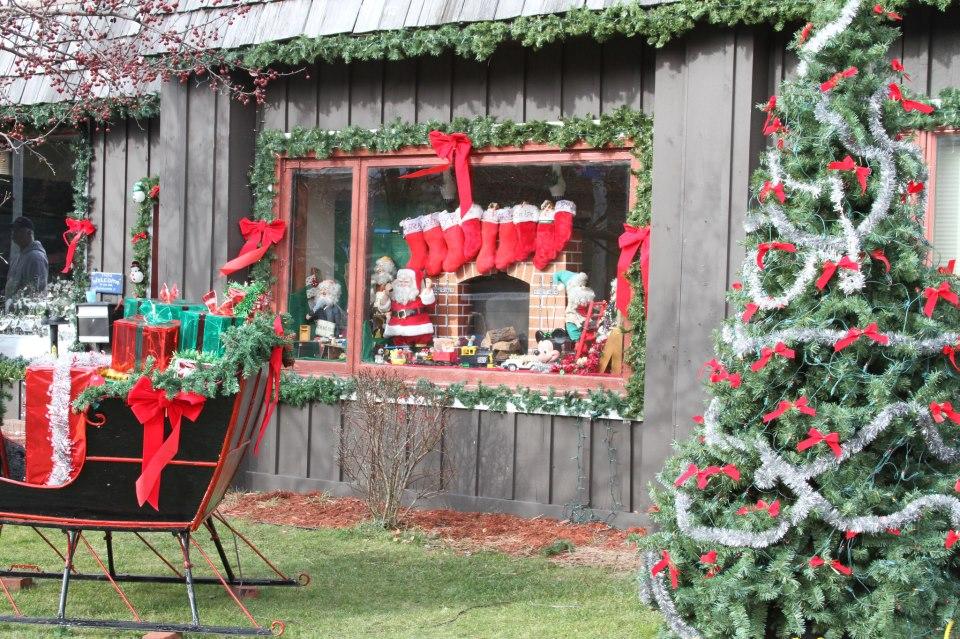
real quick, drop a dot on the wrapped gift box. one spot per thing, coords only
(167, 311)
(203, 331)
(134, 340)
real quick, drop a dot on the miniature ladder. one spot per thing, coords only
(591, 323)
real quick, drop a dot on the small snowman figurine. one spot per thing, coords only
(138, 195)
(136, 274)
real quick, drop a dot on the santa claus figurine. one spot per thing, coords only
(327, 307)
(384, 270)
(410, 306)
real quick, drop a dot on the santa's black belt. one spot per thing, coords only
(407, 312)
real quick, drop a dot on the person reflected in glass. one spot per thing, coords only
(28, 272)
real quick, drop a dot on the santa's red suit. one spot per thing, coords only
(409, 324)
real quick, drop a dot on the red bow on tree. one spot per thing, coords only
(849, 72)
(767, 353)
(772, 126)
(633, 239)
(709, 558)
(721, 374)
(764, 247)
(896, 94)
(139, 236)
(815, 437)
(952, 538)
(880, 256)
(816, 561)
(154, 192)
(951, 353)
(703, 476)
(880, 11)
(830, 268)
(943, 412)
(913, 189)
(771, 509)
(854, 334)
(455, 149)
(948, 269)
(784, 406)
(666, 563)
(78, 228)
(934, 295)
(259, 236)
(897, 66)
(749, 311)
(151, 407)
(776, 189)
(805, 32)
(847, 164)
(273, 383)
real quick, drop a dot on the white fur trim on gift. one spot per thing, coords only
(473, 213)
(447, 220)
(565, 205)
(411, 330)
(410, 225)
(525, 213)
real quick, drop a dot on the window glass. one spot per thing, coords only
(320, 254)
(509, 285)
(946, 219)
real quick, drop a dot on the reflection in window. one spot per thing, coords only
(320, 253)
(946, 219)
(522, 282)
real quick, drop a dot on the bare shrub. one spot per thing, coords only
(391, 439)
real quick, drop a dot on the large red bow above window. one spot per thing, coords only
(151, 406)
(79, 228)
(633, 239)
(455, 149)
(259, 236)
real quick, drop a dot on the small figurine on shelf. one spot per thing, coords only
(136, 272)
(410, 304)
(326, 306)
(579, 296)
(612, 330)
(546, 355)
(384, 270)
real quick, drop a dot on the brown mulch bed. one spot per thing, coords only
(595, 543)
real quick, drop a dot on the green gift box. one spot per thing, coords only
(165, 311)
(203, 331)
(131, 306)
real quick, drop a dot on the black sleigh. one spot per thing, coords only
(102, 497)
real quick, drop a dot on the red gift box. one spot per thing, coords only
(40, 437)
(134, 340)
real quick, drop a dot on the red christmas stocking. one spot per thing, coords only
(453, 238)
(413, 235)
(436, 247)
(545, 234)
(564, 212)
(489, 229)
(525, 219)
(506, 239)
(471, 232)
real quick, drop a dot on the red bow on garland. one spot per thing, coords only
(847, 164)
(943, 412)
(273, 383)
(78, 228)
(784, 406)
(139, 236)
(632, 239)
(830, 268)
(892, 15)
(952, 538)
(767, 353)
(897, 66)
(721, 374)
(896, 94)
(151, 407)
(455, 149)
(934, 295)
(703, 476)
(776, 189)
(815, 437)
(849, 72)
(805, 32)
(663, 564)
(948, 269)
(816, 561)
(771, 509)
(854, 334)
(764, 247)
(259, 236)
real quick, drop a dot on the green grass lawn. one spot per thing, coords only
(364, 584)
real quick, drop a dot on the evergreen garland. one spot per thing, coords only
(140, 232)
(83, 155)
(99, 112)
(614, 129)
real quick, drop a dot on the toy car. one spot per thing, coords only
(521, 363)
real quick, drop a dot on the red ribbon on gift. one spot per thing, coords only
(854, 334)
(849, 72)
(764, 247)
(234, 297)
(273, 383)
(77, 228)
(455, 149)
(767, 353)
(151, 407)
(776, 189)
(666, 563)
(896, 94)
(952, 538)
(703, 476)
(847, 164)
(830, 268)
(259, 236)
(943, 412)
(934, 295)
(815, 437)
(786, 405)
(633, 239)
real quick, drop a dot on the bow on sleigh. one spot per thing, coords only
(633, 239)
(455, 149)
(273, 383)
(78, 229)
(259, 236)
(152, 407)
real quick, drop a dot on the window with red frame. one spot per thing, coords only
(944, 223)
(522, 283)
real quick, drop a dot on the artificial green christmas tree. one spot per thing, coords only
(819, 495)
